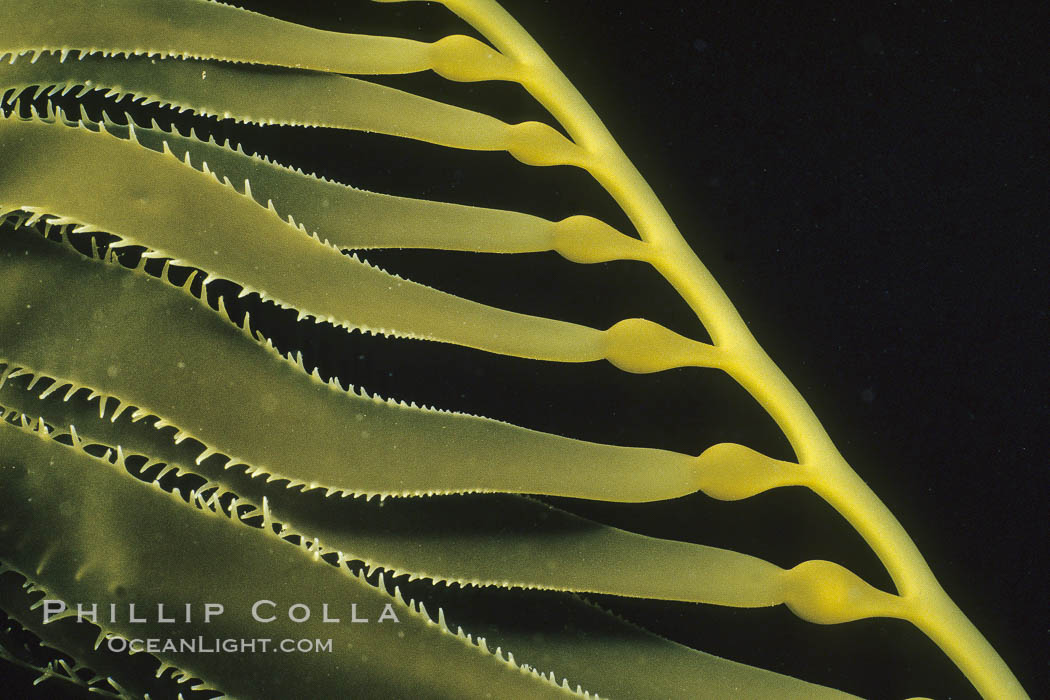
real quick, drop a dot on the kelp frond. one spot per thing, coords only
(144, 429)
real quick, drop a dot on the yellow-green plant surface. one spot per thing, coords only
(175, 309)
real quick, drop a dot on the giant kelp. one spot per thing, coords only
(244, 232)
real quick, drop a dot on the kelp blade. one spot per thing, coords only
(478, 540)
(213, 30)
(107, 555)
(66, 534)
(355, 219)
(145, 201)
(265, 95)
(177, 374)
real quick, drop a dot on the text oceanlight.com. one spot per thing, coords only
(204, 645)
(181, 622)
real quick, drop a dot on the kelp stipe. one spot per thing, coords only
(111, 383)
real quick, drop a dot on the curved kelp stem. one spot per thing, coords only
(924, 600)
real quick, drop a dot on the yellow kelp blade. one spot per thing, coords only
(476, 540)
(229, 235)
(212, 400)
(65, 534)
(222, 561)
(611, 657)
(166, 353)
(144, 200)
(355, 219)
(264, 95)
(211, 30)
